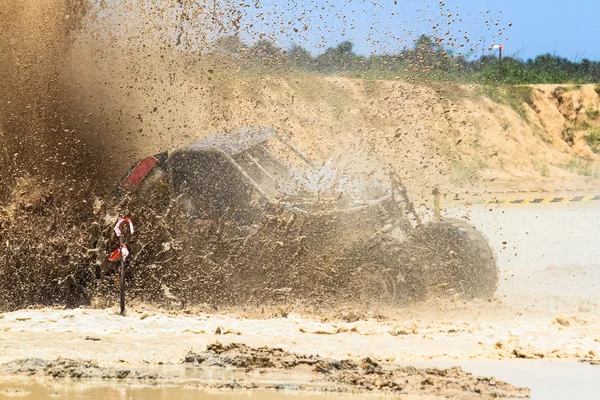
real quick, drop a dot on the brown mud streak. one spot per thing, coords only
(68, 368)
(318, 373)
(365, 375)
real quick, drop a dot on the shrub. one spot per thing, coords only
(593, 140)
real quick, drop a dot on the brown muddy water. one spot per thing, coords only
(548, 379)
(43, 389)
(80, 392)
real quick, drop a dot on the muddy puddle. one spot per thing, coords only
(547, 379)
(191, 383)
(42, 390)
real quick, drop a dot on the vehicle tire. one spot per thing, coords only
(457, 260)
(376, 285)
(389, 276)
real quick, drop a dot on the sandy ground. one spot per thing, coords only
(148, 337)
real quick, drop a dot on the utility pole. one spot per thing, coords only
(500, 63)
(500, 48)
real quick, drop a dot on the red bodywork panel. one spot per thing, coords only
(137, 174)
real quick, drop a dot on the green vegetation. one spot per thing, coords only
(427, 60)
(542, 134)
(592, 114)
(564, 89)
(580, 166)
(570, 132)
(568, 136)
(513, 96)
(592, 138)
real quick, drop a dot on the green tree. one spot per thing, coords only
(265, 54)
(300, 58)
(429, 55)
(339, 58)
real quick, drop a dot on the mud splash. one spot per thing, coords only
(41, 129)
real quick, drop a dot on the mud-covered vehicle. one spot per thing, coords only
(374, 250)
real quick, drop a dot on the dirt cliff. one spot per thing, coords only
(448, 135)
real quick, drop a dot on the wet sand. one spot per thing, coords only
(547, 379)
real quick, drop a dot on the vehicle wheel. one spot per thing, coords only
(457, 259)
(389, 277)
(376, 285)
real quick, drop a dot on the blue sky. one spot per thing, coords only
(567, 28)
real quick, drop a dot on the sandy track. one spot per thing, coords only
(144, 337)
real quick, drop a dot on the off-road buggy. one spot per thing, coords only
(375, 250)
